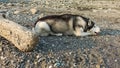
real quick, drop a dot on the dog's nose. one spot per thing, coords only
(96, 32)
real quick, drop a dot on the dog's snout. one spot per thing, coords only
(97, 30)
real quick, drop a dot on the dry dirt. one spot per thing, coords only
(102, 51)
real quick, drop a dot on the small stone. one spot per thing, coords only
(2, 58)
(70, 53)
(6, 62)
(38, 56)
(10, 4)
(100, 8)
(41, 15)
(94, 10)
(103, 67)
(16, 12)
(105, 11)
(57, 64)
(50, 66)
(0, 43)
(35, 63)
(116, 60)
(109, 9)
(97, 66)
(0, 48)
(28, 61)
(108, 60)
(41, 59)
(12, 62)
(33, 10)
(53, 45)
(47, 3)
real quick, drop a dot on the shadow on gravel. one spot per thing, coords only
(111, 32)
(63, 43)
(68, 43)
(57, 44)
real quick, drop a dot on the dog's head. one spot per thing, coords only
(91, 26)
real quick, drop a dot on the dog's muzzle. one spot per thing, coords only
(95, 29)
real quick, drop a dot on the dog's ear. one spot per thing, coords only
(90, 24)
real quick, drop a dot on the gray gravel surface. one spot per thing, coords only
(102, 51)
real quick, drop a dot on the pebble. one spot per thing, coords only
(12, 62)
(58, 64)
(35, 63)
(105, 11)
(53, 45)
(103, 67)
(116, 60)
(38, 56)
(41, 59)
(50, 66)
(109, 9)
(2, 58)
(97, 66)
(28, 61)
(10, 4)
(41, 15)
(100, 8)
(94, 10)
(0, 43)
(16, 12)
(6, 62)
(33, 10)
(0, 49)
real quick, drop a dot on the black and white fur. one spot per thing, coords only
(65, 24)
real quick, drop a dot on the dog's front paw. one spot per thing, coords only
(59, 34)
(56, 34)
(94, 33)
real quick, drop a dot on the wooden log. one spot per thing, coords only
(22, 37)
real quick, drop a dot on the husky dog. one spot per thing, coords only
(65, 24)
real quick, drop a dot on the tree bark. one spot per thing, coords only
(22, 37)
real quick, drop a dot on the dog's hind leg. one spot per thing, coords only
(42, 28)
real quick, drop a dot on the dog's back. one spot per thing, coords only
(57, 23)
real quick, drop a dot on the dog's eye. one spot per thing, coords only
(79, 25)
(94, 26)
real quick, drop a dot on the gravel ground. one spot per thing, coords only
(102, 51)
